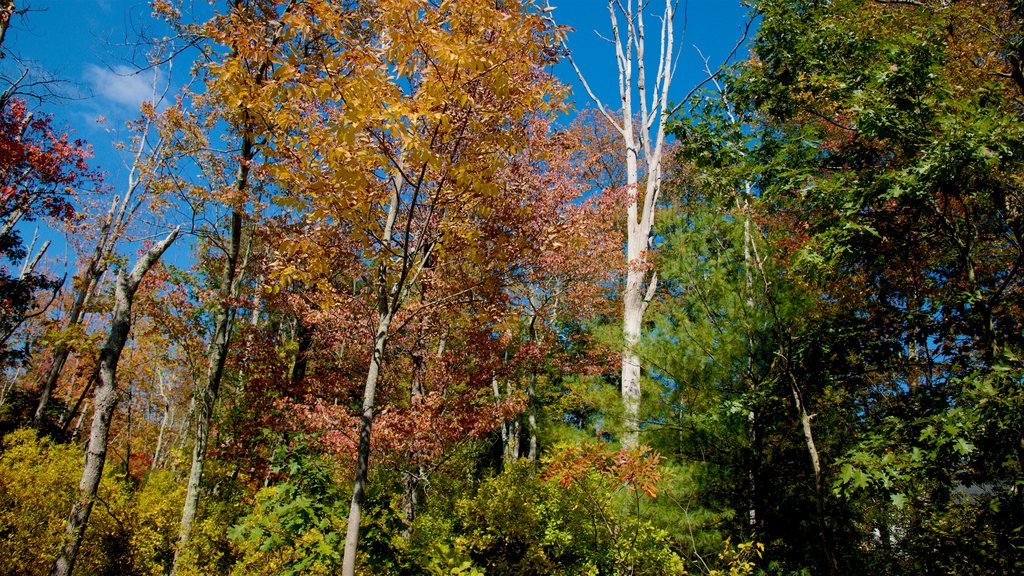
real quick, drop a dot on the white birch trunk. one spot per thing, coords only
(348, 567)
(642, 134)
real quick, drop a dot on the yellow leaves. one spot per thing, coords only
(37, 486)
(283, 72)
(442, 92)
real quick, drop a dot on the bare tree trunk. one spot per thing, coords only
(413, 475)
(514, 429)
(819, 482)
(6, 11)
(496, 391)
(81, 420)
(221, 341)
(164, 422)
(642, 133)
(89, 279)
(304, 339)
(114, 225)
(784, 354)
(348, 567)
(753, 473)
(215, 371)
(632, 317)
(389, 302)
(106, 402)
(531, 417)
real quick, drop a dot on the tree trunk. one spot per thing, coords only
(6, 11)
(164, 422)
(643, 137)
(90, 278)
(223, 325)
(304, 339)
(631, 323)
(348, 566)
(106, 401)
(412, 477)
(496, 391)
(531, 417)
(214, 373)
(819, 486)
(512, 444)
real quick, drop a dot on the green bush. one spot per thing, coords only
(517, 523)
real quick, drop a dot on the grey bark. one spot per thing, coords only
(348, 567)
(223, 323)
(390, 298)
(88, 280)
(114, 225)
(105, 403)
(643, 140)
(531, 417)
(414, 473)
(164, 422)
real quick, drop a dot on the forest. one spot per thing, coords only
(379, 293)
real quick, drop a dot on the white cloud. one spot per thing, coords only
(121, 86)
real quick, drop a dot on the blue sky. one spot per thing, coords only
(713, 26)
(88, 45)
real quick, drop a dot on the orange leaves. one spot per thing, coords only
(636, 469)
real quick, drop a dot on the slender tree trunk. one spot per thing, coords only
(348, 567)
(89, 279)
(512, 439)
(531, 417)
(164, 422)
(78, 425)
(753, 472)
(223, 325)
(215, 371)
(783, 353)
(819, 485)
(106, 402)
(388, 303)
(413, 475)
(69, 415)
(6, 11)
(304, 339)
(496, 391)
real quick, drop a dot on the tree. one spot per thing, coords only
(103, 237)
(398, 175)
(41, 173)
(6, 11)
(105, 402)
(235, 194)
(643, 146)
(880, 137)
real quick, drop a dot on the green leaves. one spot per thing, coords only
(297, 524)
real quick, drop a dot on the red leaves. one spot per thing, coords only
(636, 469)
(429, 427)
(40, 170)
